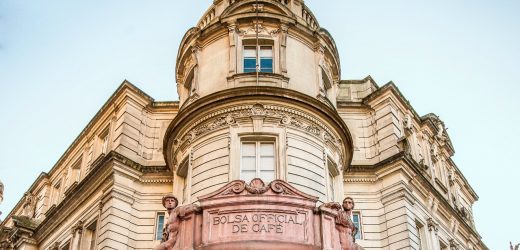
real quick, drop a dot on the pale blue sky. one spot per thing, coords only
(61, 60)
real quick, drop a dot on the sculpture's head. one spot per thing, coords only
(170, 201)
(348, 204)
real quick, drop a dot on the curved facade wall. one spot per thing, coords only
(308, 150)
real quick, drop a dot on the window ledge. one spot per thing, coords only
(264, 79)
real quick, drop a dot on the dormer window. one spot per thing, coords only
(261, 53)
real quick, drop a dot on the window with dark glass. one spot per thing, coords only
(160, 226)
(356, 218)
(264, 55)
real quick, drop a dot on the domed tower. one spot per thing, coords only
(257, 82)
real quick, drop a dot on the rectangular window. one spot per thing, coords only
(356, 218)
(160, 226)
(258, 161)
(421, 237)
(104, 146)
(333, 173)
(76, 171)
(182, 172)
(91, 236)
(56, 193)
(262, 53)
(331, 187)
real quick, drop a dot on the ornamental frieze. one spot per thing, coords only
(228, 117)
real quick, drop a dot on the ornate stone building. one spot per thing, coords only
(260, 96)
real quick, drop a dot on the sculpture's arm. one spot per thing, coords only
(354, 232)
(184, 210)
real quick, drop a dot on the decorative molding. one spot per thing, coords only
(257, 27)
(360, 179)
(257, 187)
(258, 7)
(78, 228)
(454, 245)
(432, 225)
(250, 79)
(154, 179)
(228, 117)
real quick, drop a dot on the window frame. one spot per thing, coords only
(104, 141)
(258, 140)
(183, 172)
(421, 235)
(258, 48)
(332, 177)
(159, 231)
(92, 239)
(56, 193)
(76, 170)
(360, 226)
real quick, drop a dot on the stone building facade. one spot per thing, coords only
(260, 96)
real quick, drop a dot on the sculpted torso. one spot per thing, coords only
(172, 226)
(345, 226)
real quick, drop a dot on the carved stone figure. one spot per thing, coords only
(173, 223)
(28, 205)
(346, 226)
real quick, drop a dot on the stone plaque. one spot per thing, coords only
(257, 216)
(289, 225)
(274, 213)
